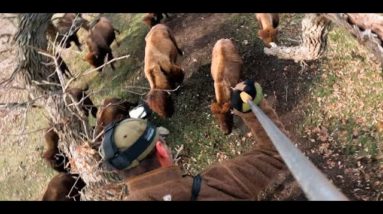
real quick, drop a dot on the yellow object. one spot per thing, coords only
(245, 97)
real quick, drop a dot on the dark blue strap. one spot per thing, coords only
(196, 187)
(108, 144)
(123, 159)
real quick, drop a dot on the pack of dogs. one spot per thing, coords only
(161, 71)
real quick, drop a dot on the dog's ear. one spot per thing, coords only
(89, 57)
(226, 107)
(263, 34)
(215, 108)
(273, 32)
(85, 58)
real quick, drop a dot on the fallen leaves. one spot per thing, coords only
(323, 148)
(321, 133)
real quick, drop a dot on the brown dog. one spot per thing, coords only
(63, 25)
(112, 109)
(60, 188)
(52, 154)
(152, 19)
(269, 23)
(160, 68)
(226, 71)
(99, 40)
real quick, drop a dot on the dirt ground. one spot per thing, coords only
(302, 96)
(288, 87)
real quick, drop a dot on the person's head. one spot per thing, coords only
(135, 143)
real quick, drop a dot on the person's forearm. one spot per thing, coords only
(256, 128)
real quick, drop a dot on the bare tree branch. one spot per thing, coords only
(103, 65)
(25, 133)
(367, 28)
(18, 105)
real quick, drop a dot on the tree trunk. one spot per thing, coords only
(314, 40)
(68, 120)
(31, 38)
(367, 28)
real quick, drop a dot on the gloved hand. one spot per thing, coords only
(243, 91)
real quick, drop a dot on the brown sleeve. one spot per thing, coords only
(243, 178)
(260, 135)
(248, 175)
